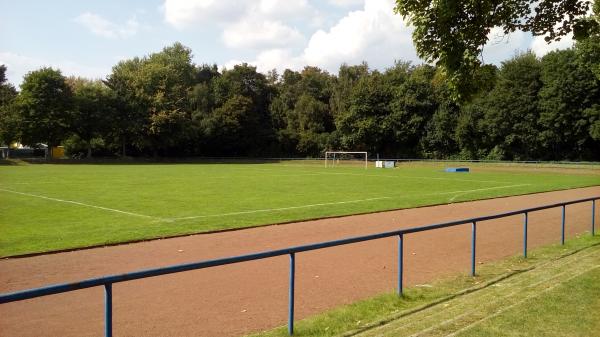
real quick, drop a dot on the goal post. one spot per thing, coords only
(332, 156)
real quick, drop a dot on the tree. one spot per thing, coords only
(93, 111)
(510, 121)
(412, 106)
(156, 89)
(243, 80)
(44, 108)
(364, 125)
(130, 122)
(8, 117)
(439, 139)
(452, 33)
(231, 128)
(569, 91)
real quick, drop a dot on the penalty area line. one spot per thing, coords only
(276, 209)
(81, 204)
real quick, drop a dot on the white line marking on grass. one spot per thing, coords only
(277, 209)
(459, 193)
(31, 183)
(80, 204)
(410, 177)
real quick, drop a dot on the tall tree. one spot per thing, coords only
(157, 88)
(45, 107)
(364, 125)
(230, 129)
(511, 113)
(412, 106)
(93, 111)
(130, 122)
(569, 90)
(243, 80)
(8, 117)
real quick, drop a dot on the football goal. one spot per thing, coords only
(335, 158)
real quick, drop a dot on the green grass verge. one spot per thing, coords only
(569, 310)
(48, 207)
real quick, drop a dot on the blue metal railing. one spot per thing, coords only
(108, 281)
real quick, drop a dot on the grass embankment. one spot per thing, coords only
(48, 207)
(554, 292)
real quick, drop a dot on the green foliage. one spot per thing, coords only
(8, 116)
(231, 128)
(365, 122)
(164, 104)
(452, 33)
(301, 111)
(94, 111)
(44, 107)
(569, 95)
(511, 112)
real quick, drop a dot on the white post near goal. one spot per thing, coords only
(332, 155)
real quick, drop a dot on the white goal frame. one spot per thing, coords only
(331, 154)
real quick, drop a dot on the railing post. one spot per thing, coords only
(400, 264)
(593, 217)
(291, 299)
(562, 238)
(108, 310)
(473, 246)
(525, 237)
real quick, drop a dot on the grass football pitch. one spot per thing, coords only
(47, 207)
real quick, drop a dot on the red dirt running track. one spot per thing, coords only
(243, 298)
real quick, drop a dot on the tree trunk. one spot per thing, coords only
(89, 150)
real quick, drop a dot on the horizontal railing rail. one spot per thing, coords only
(107, 281)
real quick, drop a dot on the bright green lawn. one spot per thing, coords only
(170, 199)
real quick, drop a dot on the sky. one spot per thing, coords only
(86, 38)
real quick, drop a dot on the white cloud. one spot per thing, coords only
(245, 24)
(346, 3)
(259, 34)
(540, 47)
(19, 65)
(277, 59)
(283, 8)
(373, 34)
(189, 13)
(105, 28)
(184, 13)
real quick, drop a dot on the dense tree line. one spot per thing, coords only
(163, 104)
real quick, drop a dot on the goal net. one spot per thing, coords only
(349, 158)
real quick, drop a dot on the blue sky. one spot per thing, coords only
(86, 38)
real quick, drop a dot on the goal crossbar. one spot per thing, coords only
(332, 155)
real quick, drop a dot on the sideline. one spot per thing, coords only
(81, 204)
(479, 189)
(255, 210)
(277, 209)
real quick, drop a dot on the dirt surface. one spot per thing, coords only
(243, 298)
